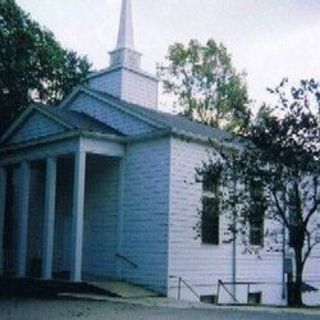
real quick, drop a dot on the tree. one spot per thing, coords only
(277, 172)
(33, 65)
(206, 85)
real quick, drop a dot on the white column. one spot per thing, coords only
(23, 219)
(3, 183)
(77, 216)
(49, 215)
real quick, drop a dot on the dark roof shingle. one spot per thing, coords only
(170, 120)
(80, 121)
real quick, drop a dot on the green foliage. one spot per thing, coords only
(33, 65)
(281, 154)
(206, 85)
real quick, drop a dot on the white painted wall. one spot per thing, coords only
(109, 83)
(139, 89)
(144, 239)
(100, 217)
(128, 85)
(200, 265)
(203, 265)
(312, 276)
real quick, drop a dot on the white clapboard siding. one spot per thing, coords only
(144, 239)
(203, 265)
(108, 82)
(35, 127)
(109, 115)
(100, 216)
(139, 89)
(128, 85)
(312, 277)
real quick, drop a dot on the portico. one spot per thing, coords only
(39, 179)
(84, 186)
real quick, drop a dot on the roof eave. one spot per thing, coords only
(20, 120)
(61, 137)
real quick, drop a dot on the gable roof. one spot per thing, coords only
(168, 120)
(74, 120)
(80, 121)
(66, 120)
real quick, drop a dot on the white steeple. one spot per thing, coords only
(124, 78)
(125, 54)
(125, 35)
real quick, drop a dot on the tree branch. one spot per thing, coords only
(310, 247)
(316, 202)
(280, 210)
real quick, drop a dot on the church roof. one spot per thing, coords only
(79, 121)
(61, 120)
(170, 121)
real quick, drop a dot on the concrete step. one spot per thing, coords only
(124, 289)
(28, 287)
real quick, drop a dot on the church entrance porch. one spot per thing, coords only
(59, 216)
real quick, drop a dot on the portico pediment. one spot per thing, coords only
(33, 125)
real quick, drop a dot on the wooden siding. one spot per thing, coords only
(108, 82)
(128, 85)
(203, 265)
(110, 115)
(312, 276)
(144, 239)
(139, 89)
(35, 127)
(100, 217)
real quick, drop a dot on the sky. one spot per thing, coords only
(268, 39)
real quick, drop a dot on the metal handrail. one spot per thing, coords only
(183, 281)
(220, 283)
(127, 260)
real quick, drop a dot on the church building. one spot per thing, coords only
(104, 186)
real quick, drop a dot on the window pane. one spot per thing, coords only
(256, 233)
(256, 220)
(210, 221)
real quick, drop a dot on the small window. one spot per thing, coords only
(254, 298)
(256, 233)
(210, 213)
(212, 299)
(256, 218)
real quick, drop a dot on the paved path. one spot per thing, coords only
(105, 310)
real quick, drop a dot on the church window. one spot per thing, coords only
(210, 212)
(256, 215)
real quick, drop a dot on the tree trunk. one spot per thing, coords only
(297, 285)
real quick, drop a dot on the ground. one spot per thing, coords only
(33, 309)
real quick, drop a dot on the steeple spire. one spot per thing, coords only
(125, 35)
(124, 78)
(125, 55)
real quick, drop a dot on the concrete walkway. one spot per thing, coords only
(168, 303)
(127, 309)
(123, 289)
